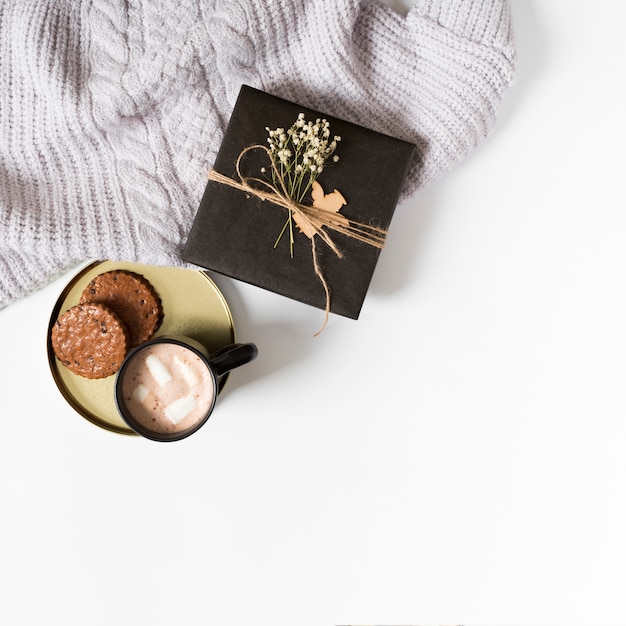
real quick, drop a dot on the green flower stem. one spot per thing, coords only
(288, 222)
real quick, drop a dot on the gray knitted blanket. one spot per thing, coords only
(112, 111)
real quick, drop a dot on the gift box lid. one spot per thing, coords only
(234, 232)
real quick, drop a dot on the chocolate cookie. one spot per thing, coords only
(90, 340)
(132, 297)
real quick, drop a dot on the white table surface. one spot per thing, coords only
(458, 455)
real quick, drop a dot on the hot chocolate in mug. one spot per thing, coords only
(167, 387)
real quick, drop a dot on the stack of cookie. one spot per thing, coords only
(117, 311)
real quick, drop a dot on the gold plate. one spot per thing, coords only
(192, 306)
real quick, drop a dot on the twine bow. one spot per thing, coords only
(314, 218)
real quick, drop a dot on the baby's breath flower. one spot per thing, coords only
(301, 152)
(300, 155)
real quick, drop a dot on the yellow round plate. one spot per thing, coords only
(192, 306)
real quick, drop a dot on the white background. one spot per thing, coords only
(458, 455)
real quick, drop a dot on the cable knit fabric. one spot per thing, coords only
(112, 111)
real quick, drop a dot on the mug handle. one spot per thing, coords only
(232, 356)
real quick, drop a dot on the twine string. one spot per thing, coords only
(316, 218)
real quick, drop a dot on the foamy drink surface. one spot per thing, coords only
(167, 388)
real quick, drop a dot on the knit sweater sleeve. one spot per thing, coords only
(434, 77)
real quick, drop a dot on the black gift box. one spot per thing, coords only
(234, 232)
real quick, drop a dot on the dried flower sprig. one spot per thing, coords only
(300, 153)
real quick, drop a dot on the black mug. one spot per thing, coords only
(167, 387)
